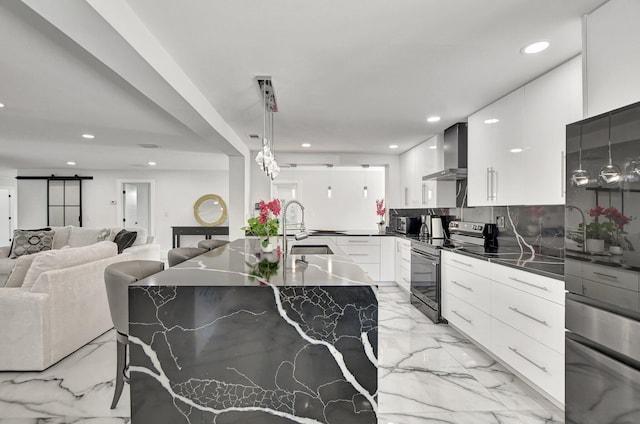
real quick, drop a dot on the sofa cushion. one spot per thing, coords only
(141, 238)
(6, 266)
(61, 236)
(83, 236)
(65, 258)
(26, 242)
(22, 265)
(125, 239)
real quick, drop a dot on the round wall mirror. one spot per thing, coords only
(210, 210)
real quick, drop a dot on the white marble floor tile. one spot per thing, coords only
(496, 417)
(80, 385)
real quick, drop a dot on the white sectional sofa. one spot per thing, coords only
(61, 302)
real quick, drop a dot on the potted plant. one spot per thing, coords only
(265, 226)
(617, 221)
(609, 232)
(380, 211)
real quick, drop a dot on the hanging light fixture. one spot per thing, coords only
(266, 157)
(610, 174)
(633, 170)
(330, 179)
(580, 176)
(365, 189)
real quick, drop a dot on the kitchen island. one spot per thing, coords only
(236, 335)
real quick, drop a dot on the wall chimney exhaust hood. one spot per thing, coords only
(455, 155)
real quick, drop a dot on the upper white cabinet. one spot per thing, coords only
(516, 144)
(407, 179)
(550, 103)
(424, 159)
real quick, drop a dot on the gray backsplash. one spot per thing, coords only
(541, 227)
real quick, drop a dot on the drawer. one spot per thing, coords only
(363, 254)
(362, 240)
(610, 276)
(545, 287)
(539, 318)
(467, 286)
(403, 243)
(607, 293)
(316, 239)
(405, 274)
(372, 269)
(405, 283)
(477, 266)
(405, 259)
(472, 321)
(543, 366)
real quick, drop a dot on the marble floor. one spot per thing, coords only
(427, 374)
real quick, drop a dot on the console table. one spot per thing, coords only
(197, 231)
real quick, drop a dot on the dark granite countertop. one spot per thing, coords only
(548, 266)
(241, 263)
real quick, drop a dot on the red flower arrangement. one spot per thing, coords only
(380, 210)
(264, 225)
(607, 230)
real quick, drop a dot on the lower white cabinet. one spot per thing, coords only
(534, 360)
(387, 258)
(365, 251)
(403, 263)
(515, 314)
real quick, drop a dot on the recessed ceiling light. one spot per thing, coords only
(491, 121)
(306, 145)
(393, 146)
(433, 119)
(151, 163)
(1, 104)
(516, 150)
(433, 147)
(536, 47)
(71, 163)
(89, 136)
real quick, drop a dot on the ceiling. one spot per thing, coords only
(349, 75)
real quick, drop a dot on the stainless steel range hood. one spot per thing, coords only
(455, 155)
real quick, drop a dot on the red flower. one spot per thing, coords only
(596, 212)
(380, 209)
(274, 207)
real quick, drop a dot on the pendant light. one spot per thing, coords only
(580, 176)
(330, 166)
(365, 189)
(610, 174)
(265, 157)
(633, 173)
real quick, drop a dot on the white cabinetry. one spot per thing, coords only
(424, 159)
(407, 179)
(403, 263)
(387, 258)
(517, 315)
(515, 154)
(365, 251)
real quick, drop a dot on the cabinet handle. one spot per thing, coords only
(514, 350)
(613, 277)
(406, 196)
(494, 185)
(563, 182)
(358, 254)
(358, 241)
(460, 285)
(406, 260)
(461, 263)
(528, 284)
(516, 310)
(405, 280)
(464, 318)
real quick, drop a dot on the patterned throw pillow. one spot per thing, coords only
(125, 239)
(26, 242)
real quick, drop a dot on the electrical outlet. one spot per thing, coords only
(114, 202)
(500, 223)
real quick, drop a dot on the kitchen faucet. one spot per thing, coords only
(301, 235)
(584, 226)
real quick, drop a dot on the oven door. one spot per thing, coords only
(425, 283)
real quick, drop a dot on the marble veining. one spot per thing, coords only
(78, 389)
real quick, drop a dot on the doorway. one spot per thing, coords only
(137, 204)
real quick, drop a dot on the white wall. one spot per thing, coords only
(347, 209)
(261, 185)
(175, 194)
(612, 56)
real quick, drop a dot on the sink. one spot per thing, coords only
(311, 249)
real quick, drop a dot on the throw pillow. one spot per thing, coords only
(61, 236)
(125, 239)
(26, 242)
(107, 234)
(23, 263)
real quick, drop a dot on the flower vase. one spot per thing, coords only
(381, 227)
(595, 245)
(267, 244)
(615, 250)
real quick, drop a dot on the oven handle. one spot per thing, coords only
(426, 255)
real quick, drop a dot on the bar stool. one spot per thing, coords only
(211, 244)
(177, 255)
(117, 278)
